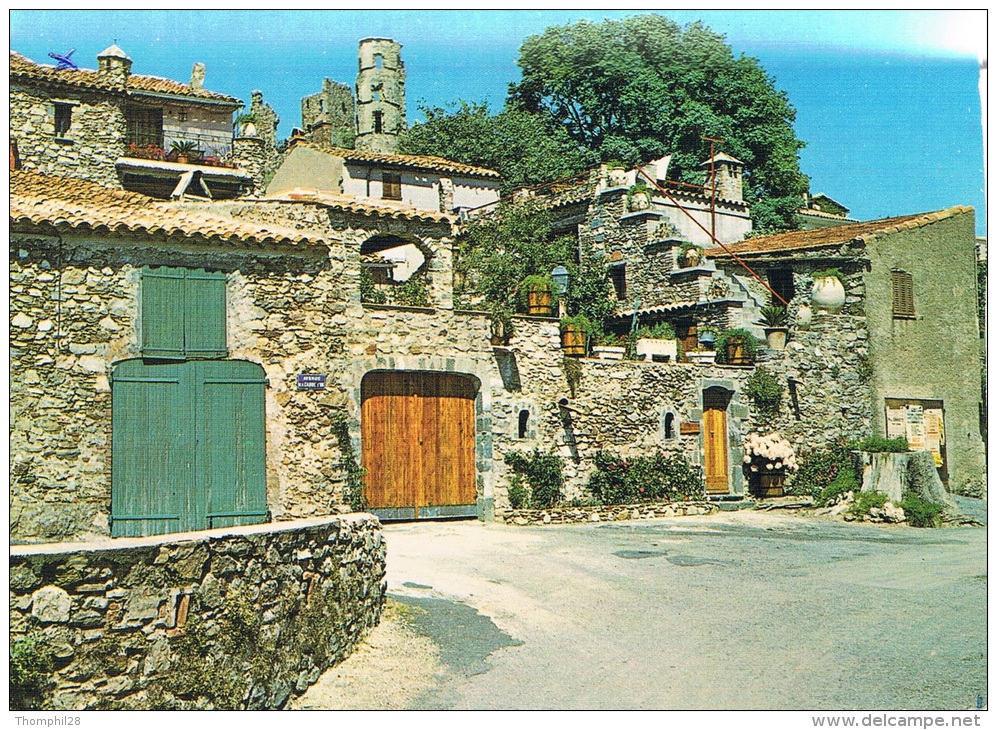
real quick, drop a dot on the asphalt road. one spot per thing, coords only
(733, 611)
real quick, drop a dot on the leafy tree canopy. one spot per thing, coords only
(525, 148)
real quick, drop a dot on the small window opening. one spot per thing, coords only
(524, 423)
(781, 280)
(378, 122)
(376, 95)
(182, 115)
(669, 425)
(618, 275)
(63, 119)
(391, 184)
(378, 60)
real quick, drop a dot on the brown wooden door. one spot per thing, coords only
(417, 432)
(715, 440)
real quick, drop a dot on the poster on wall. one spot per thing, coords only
(922, 423)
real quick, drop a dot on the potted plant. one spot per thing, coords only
(767, 461)
(539, 294)
(616, 174)
(828, 292)
(656, 343)
(690, 254)
(639, 197)
(574, 334)
(737, 347)
(246, 125)
(774, 320)
(183, 151)
(610, 347)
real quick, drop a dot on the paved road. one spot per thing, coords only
(732, 611)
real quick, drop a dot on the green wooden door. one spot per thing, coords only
(188, 446)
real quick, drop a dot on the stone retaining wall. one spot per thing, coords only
(237, 618)
(603, 513)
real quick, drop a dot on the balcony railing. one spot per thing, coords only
(195, 149)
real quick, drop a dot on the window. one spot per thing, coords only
(391, 184)
(781, 280)
(63, 119)
(183, 314)
(669, 425)
(618, 275)
(145, 126)
(378, 60)
(524, 423)
(378, 122)
(903, 295)
(376, 95)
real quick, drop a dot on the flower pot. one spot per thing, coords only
(639, 200)
(736, 354)
(616, 177)
(828, 294)
(657, 350)
(249, 130)
(573, 340)
(804, 315)
(539, 303)
(691, 257)
(182, 159)
(775, 337)
(767, 483)
(605, 352)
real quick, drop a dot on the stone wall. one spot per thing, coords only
(240, 618)
(94, 141)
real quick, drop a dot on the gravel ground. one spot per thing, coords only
(742, 610)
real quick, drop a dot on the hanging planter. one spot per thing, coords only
(574, 335)
(828, 292)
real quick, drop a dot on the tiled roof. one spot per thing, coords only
(418, 162)
(22, 68)
(385, 209)
(835, 235)
(824, 214)
(69, 203)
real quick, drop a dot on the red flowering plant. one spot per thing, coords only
(146, 152)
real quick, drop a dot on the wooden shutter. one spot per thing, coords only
(204, 314)
(903, 294)
(392, 186)
(231, 429)
(151, 446)
(163, 313)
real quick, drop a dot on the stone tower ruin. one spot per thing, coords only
(380, 95)
(328, 117)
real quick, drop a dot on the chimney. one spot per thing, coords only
(197, 77)
(115, 64)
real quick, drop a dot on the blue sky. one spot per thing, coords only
(887, 101)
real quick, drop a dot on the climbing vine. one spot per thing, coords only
(353, 492)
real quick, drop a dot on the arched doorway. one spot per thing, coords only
(716, 461)
(418, 444)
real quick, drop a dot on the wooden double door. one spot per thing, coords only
(418, 444)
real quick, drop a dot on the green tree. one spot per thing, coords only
(525, 148)
(643, 87)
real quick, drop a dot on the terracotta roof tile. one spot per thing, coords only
(385, 209)
(22, 68)
(835, 235)
(69, 203)
(418, 162)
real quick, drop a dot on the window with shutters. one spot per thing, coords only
(903, 295)
(391, 186)
(183, 314)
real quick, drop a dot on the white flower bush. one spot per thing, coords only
(770, 452)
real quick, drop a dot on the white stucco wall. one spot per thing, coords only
(473, 193)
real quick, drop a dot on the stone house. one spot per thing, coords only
(130, 131)
(904, 350)
(822, 211)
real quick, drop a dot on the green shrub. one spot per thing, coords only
(865, 501)
(828, 274)
(765, 392)
(922, 512)
(30, 672)
(654, 477)
(413, 293)
(774, 316)
(845, 481)
(369, 291)
(519, 496)
(881, 445)
(749, 344)
(818, 468)
(579, 321)
(543, 473)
